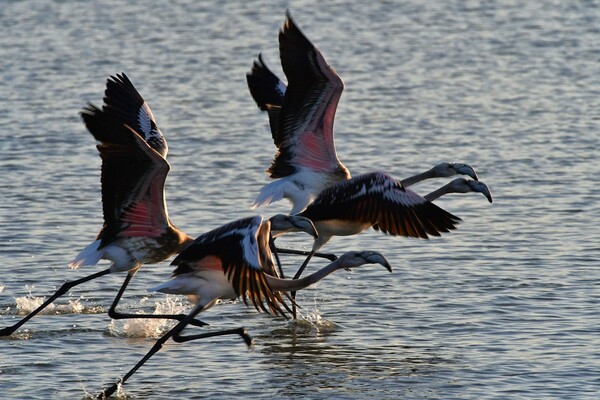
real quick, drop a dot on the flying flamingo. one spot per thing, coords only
(230, 262)
(301, 116)
(379, 201)
(136, 229)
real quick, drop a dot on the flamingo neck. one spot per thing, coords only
(439, 192)
(411, 180)
(289, 285)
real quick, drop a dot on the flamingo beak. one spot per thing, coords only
(481, 187)
(465, 169)
(304, 224)
(374, 257)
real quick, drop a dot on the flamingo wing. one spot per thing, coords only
(267, 90)
(380, 200)
(265, 87)
(236, 246)
(123, 102)
(133, 178)
(304, 135)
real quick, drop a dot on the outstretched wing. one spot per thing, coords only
(304, 135)
(133, 179)
(267, 90)
(380, 200)
(123, 102)
(237, 246)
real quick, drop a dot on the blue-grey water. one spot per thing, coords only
(507, 306)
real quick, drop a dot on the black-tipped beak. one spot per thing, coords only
(481, 187)
(387, 266)
(304, 224)
(465, 169)
(378, 258)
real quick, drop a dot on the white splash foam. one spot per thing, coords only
(316, 322)
(149, 328)
(27, 304)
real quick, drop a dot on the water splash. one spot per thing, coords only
(27, 304)
(120, 391)
(314, 321)
(149, 328)
(119, 394)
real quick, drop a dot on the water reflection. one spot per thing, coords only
(308, 358)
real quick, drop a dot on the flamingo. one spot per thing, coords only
(329, 205)
(301, 118)
(379, 201)
(232, 261)
(136, 229)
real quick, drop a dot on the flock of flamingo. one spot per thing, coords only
(238, 259)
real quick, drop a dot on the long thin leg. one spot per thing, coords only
(113, 313)
(300, 270)
(63, 289)
(157, 346)
(329, 256)
(160, 342)
(237, 331)
(275, 251)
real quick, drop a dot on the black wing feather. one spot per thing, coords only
(381, 200)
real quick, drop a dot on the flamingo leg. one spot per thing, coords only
(275, 253)
(237, 331)
(61, 291)
(114, 314)
(329, 256)
(160, 342)
(300, 270)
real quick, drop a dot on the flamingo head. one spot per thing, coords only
(446, 169)
(292, 223)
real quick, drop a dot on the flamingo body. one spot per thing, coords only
(227, 263)
(137, 229)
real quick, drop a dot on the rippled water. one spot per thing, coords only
(504, 307)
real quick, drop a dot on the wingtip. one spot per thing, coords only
(289, 22)
(256, 66)
(89, 110)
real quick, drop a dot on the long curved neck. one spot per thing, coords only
(448, 188)
(289, 285)
(411, 180)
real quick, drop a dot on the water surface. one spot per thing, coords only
(504, 307)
